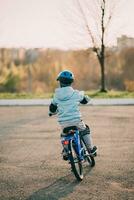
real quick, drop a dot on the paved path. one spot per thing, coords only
(31, 167)
(42, 102)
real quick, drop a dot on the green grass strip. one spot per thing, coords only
(92, 94)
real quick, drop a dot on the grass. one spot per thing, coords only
(92, 94)
(110, 94)
(25, 96)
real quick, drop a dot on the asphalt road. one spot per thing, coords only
(31, 167)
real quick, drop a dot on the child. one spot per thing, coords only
(66, 103)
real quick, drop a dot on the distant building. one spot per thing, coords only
(125, 42)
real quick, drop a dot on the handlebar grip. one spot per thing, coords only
(50, 114)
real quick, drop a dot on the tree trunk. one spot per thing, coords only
(102, 50)
(102, 65)
(103, 87)
(29, 79)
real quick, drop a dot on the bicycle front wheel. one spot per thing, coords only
(91, 160)
(76, 164)
(88, 156)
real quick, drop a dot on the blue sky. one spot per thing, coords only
(56, 23)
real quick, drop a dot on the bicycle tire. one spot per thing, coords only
(89, 157)
(91, 160)
(76, 164)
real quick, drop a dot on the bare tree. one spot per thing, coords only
(101, 17)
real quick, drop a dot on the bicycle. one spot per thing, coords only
(76, 151)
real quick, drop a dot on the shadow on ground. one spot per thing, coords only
(59, 189)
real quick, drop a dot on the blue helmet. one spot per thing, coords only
(65, 77)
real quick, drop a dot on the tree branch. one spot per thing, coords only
(86, 23)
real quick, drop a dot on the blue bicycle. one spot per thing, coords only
(76, 151)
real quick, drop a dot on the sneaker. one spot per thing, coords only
(94, 151)
(64, 154)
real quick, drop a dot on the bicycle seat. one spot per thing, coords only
(68, 129)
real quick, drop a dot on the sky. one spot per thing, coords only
(59, 23)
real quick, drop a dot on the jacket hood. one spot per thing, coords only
(64, 93)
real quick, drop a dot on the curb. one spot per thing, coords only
(46, 102)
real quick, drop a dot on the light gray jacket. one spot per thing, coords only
(67, 101)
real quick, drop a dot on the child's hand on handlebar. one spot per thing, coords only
(50, 113)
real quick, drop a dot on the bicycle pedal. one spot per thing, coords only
(95, 154)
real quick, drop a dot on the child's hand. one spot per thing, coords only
(87, 98)
(50, 113)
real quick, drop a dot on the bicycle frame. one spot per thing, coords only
(74, 136)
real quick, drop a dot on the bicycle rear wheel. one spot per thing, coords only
(76, 164)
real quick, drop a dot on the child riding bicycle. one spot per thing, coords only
(66, 104)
